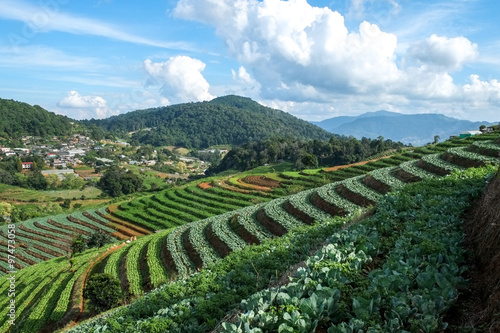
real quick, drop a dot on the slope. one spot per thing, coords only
(20, 119)
(224, 120)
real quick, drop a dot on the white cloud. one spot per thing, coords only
(39, 56)
(179, 78)
(296, 51)
(247, 85)
(85, 106)
(49, 16)
(444, 54)
(482, 92)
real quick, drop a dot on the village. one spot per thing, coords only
(81, 156)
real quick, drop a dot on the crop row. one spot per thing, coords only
(410, 289)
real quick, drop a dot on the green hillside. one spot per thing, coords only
(20, 119)
(225, 120)
(201, 262)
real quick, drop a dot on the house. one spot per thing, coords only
(467, 134)
(492, 128)
(27, 165)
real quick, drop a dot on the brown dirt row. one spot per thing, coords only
(58, 231)
(375, 184)
(240, 230)
(15, 264)
(268, 223)
(405, 177)
(325, 206)
(216, 242)
(354, 197)
(241, 183)
(120, 232)
(193, 255)
(116, 220)
(432, 168)
(76, 231)
(338, 167)
(464, 162)
(290, 209)
(39, 233)
(167, 260)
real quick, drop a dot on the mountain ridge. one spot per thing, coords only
(415, 129)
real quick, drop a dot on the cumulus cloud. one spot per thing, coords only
(440, 53)
(299, 53)
(85, 106)
(296, 50)
(248, 86)
(179, 79)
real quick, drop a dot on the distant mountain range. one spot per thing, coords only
(415, 129)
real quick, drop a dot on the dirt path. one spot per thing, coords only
(338, 167)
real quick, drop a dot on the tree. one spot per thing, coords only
(99, 238)
(181, 167)
(79, 244)
(482, 127)
(36, 180)
(66, 203)
(436, 139)
(103, 290)
(116, 182)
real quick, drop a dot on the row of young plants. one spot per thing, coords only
(356, 185)
(385, 175)
(409, 286)
(410, 289)
(42, 292)
(406, 237)
(411, 167)
(437, 161)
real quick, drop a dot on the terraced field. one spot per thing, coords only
(198, 227)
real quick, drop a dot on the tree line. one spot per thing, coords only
(304, 154)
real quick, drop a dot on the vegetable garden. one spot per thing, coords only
(203, 228)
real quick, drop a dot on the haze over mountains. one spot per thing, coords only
(415, 129)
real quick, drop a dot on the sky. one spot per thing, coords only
(314, 59)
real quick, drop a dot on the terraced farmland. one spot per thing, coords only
(201, 226)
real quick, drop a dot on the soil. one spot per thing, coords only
(432, 168)
(354, 197)
(325, 206)
(190, 251)
(338, 167)
(289, 208)
(478, 307)
(261, 181)
(216, 242)
(268, 223)
(464, 162)
(204, 186)
(375, 184)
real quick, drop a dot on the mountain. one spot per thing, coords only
(224, 120)
(415, 129)
(20, 119)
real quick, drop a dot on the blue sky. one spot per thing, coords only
(314, 59)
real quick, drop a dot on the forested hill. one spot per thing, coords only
(225, 120)
(18, 119)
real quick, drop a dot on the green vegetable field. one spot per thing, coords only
(191, 268)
